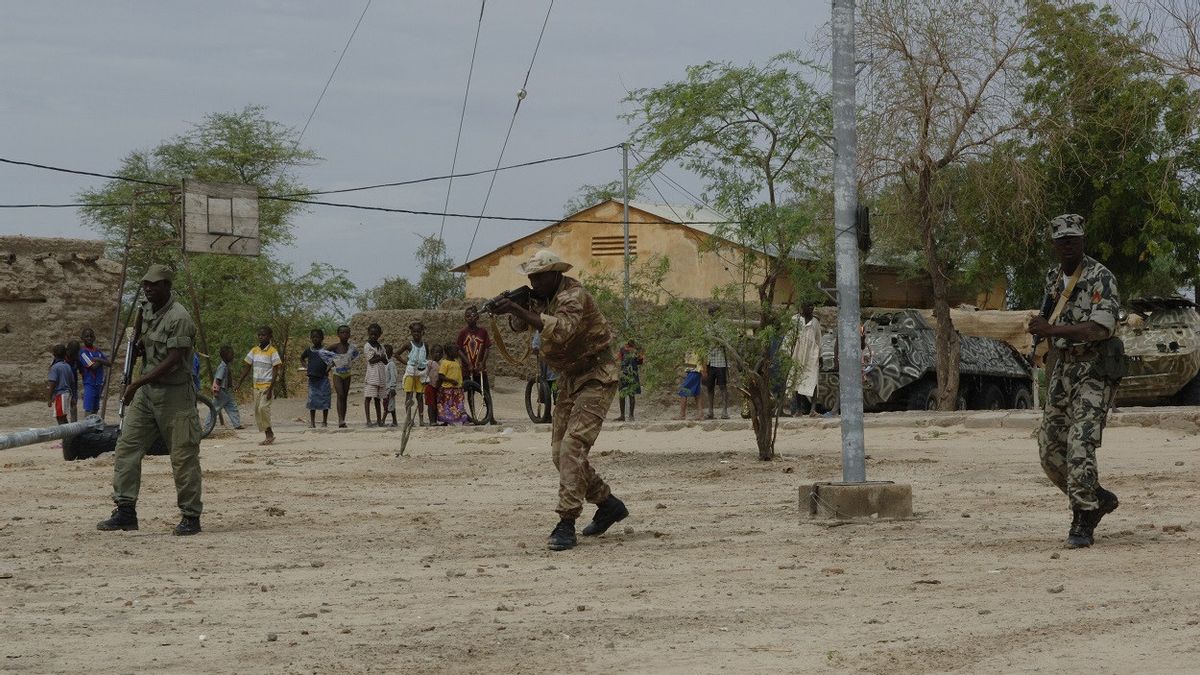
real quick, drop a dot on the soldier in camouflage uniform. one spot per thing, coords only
(1079, 390)
(577, 344)
(161, 402)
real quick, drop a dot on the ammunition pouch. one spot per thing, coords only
(1111, 363)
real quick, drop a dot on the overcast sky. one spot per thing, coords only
(83, 83)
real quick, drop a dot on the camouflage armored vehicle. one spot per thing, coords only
(900, 371)
(1163, 353)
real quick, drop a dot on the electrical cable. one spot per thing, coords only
(77, 205)
(451, 176)
(83, 173)
(335, 69)
(462, 117)
(520, 97)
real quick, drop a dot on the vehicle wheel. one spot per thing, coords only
(1190, 394)
(991, 397)
(91, 443)
(1023, 399)
(538, 401)
(922, 396)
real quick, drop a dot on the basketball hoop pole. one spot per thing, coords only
(187, 274)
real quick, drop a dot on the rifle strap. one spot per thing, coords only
(498, 338)
(1066, 294)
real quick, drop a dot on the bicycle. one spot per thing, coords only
(540, 393)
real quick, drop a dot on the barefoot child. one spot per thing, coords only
(414, 369)
(630, 358)
(431, 382)
(265, 363)
(375, 379)
(390, 406)
(344, 353)
(452, 406)
(222, 388)
(314, 360)
(61, 382)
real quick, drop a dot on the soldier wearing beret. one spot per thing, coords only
(160, 402)
(1084, 364)
(576, 342)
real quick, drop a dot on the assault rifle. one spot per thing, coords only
(130, 360)
(520, 296)
(1047, 309)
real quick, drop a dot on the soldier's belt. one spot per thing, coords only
(588, 363)
(1076, 355)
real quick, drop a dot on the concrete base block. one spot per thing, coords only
(847, 501)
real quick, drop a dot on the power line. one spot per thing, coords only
(76, 205)
(335, 69)
(83, 173)
(453, 175)
(511, 122)
(462, 117)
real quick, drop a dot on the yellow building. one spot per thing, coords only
(593, 241)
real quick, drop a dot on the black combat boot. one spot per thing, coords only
(563, 536)
(610, 512)
(187, 526)
(124, 517)
(1079, 536)
(1088, 520)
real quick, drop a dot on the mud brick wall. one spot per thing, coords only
(50, 290)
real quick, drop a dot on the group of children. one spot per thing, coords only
(430, 376)
(73, 361)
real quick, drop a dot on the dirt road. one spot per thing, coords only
(326, 553)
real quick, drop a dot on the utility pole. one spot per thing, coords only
(845, 198)
(625, 199)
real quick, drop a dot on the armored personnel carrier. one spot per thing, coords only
(1163, 350)
(899, 368)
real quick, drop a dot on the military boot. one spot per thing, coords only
(1079, 536)
(187, 526)
(563, 536)
(1088, 520)
(124, 517)
(610, 512)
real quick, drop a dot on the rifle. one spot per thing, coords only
(130, 360)
(520, 296)
(1047, 310)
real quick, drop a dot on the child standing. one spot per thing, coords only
(375, 379)
(432, 366)
(631, 359)
(414, 369)
(344, 352)
(61, 384)
(452, 407)
(92, 363)
(390, 406)
(315, 360)
(690, 387)
(222, 388)
(265, 363)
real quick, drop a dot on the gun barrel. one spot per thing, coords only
(18, 439)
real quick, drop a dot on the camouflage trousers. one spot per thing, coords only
(578, 416)
(1073, 420)
(167, 411)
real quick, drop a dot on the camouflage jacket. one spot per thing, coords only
(171, 328)
(1095, 298)
(576, 338)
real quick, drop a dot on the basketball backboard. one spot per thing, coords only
(220, 218)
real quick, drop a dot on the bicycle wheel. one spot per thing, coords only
(207, 413)
(477, 407)
(537, 401)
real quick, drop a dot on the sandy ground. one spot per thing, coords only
(326, 553)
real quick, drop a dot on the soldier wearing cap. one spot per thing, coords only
(576, 343)
(1081, 382)
(160, 402)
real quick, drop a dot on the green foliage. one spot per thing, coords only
(437, 283)
(393, 293)
(234, 294)
(1115, 141)
(590, 195)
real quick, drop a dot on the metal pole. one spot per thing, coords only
(845, 199)
(120, 297)
(17, 439)
(625, 200)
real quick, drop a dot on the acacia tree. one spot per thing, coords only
(437, 283)
(941, 90)
(233, 295)
(757, 137)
